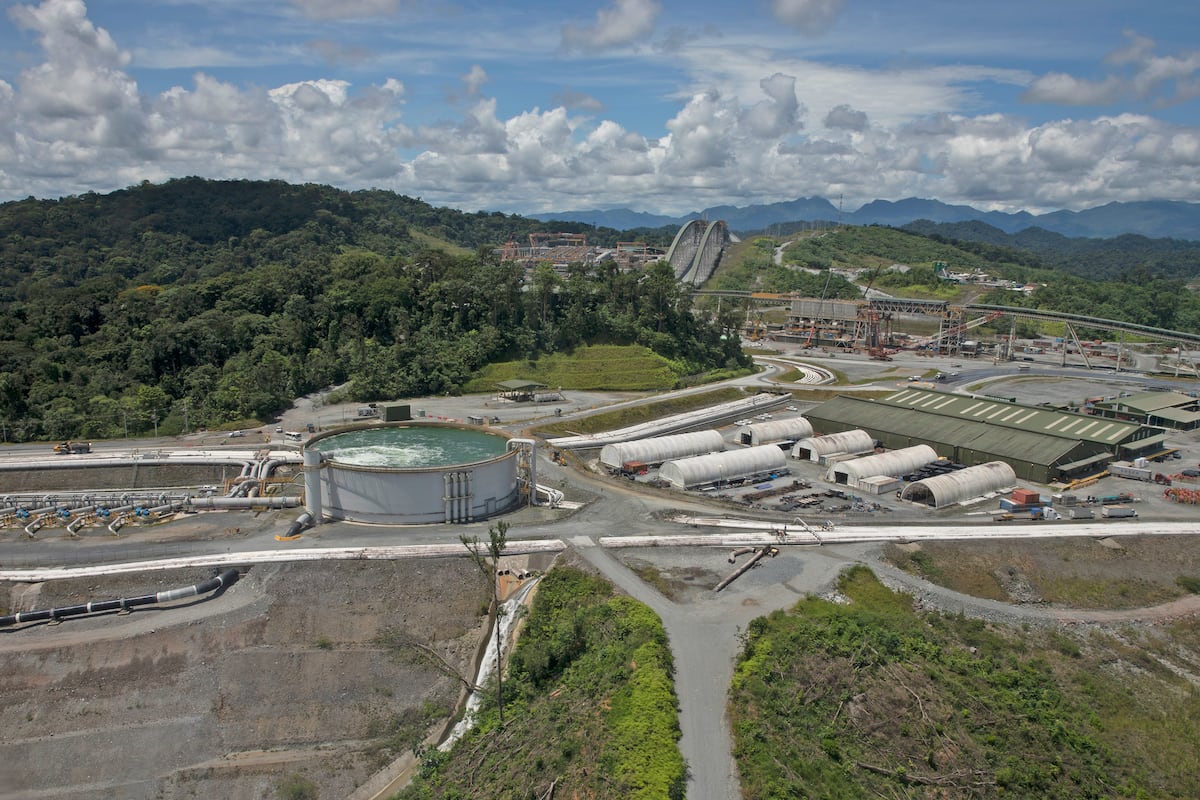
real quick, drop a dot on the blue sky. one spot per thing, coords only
(654, 105)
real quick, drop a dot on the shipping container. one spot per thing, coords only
(1024, 496)
(1079, 512)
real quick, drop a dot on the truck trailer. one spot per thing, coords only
(1118, 512)
(1125, 469)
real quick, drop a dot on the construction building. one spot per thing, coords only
(1040, 444)
(1164, 409)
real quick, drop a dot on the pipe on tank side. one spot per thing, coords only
(530, 464)
(312, 485)
(226, 578)
(469, 497)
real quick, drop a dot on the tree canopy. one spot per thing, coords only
(205, 302)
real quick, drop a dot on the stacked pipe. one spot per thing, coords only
(221, 581)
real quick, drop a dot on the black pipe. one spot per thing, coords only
(302, 522)
(225, 579)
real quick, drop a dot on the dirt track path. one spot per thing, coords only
(933, 596)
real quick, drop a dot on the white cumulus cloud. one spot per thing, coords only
(623, 22)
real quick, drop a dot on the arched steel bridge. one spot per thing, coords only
(697, 250)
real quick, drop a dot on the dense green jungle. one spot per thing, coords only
(199, 303)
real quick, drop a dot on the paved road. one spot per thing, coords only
(703, 632)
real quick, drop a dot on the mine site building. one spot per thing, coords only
(821, 448)
(1164, 409)
(657, 449)
(961, 486)
(1040, 444)
(776, 431)
(717, 469)
(893, 463)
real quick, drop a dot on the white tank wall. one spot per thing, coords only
(689, 473)
(777, 430)
(894, 462)
(392, 496)
(814, 448)
(658, 449)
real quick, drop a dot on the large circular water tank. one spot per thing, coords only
(405, 473)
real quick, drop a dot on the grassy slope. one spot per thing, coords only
(871, 699)
(590, 707)
(859, 248)
(598, 367)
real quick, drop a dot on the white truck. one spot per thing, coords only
(1118, 512)
(1126, 469)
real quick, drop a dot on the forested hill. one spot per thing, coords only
(1096, 259)
(224, 300)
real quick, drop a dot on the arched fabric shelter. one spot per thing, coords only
(777, 430)
(658, 449)
(814, 448)
(752, 462)
(964, 484)
(893, 462)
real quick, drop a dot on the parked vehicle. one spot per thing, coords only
(1125, 469)
(1118, 512)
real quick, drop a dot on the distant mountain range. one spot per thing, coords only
(1155, 219)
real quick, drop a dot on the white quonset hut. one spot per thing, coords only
(893, 462)
(658, 449)
(776, 431)
(961, 486)
(731, 465)
(815, 448)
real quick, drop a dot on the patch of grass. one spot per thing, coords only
(1189, 583)
(296, 787)
(653, 576)
(1088, 592)
(595, 368)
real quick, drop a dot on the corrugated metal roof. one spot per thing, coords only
(1013, 415)
(778, 430)
(966, 433)
(893, 462)
(1145, 402)
(1178, 415)
(964, 484)
(848, 441)
(688, 473)
(658, 449)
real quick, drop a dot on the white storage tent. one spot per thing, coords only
(893, 462)
(814, 448)
(962, 485)
(658, 449)
(751, 462)
(777, 430)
